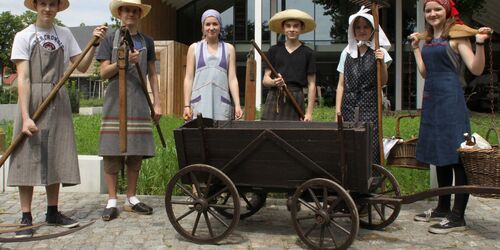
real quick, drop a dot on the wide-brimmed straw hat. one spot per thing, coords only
(275, 23)
(30, 4)
(116, 4)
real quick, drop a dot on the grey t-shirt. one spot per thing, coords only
(106, 47)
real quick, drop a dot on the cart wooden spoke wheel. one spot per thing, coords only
(251, 203)
(191, 200)
(375, 213)
(328, 218)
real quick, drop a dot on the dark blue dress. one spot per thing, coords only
(445, 117)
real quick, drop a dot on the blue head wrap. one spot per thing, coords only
(216, 14)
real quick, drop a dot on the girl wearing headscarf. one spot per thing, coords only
(42, 52)
(357, 86)
(445, 117)
(210, 82)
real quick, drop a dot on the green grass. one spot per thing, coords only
(91, 102)
(157, 171)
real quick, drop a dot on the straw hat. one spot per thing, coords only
(30, 4)
(116, 4)
(275, 23)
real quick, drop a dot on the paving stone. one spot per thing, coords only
(270, 228)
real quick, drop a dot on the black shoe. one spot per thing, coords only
(257, 200)
(430, 215)
(62, 220)
(109, 213)
(139, 208)
(447, 225)
(27, 232)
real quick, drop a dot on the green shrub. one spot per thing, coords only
(8, 95)
(74, 95)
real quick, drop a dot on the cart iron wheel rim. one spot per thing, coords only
(188, 206)
(374, 214)
(328, 218)
(251, 203)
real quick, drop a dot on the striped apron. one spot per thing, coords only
(139, 126)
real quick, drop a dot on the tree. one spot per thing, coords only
(29, 17)
(9, 26)
(115, 22)
(340, 10)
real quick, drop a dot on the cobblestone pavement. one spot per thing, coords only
(270, 228)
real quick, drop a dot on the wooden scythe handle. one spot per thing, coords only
(379, 80)
(273, 70)
(122, 94)
(144, 88)
(52, 95)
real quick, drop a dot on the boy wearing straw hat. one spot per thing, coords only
(48, 157)
(295, 64)
(140, 142)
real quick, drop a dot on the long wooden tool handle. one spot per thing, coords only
(150, 103)
(275, 73)
(250, 88)
(122, 94)
(379, 81)
(52, 95)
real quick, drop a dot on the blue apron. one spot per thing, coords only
(445, 117)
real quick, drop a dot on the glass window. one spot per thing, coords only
(323, 26)
(228, 24)
(251, 20)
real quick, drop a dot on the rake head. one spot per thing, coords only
(368, 3)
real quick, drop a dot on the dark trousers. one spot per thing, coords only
(445, 179)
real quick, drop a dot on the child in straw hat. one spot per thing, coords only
(296, 65)
(42, 52)
(445, 117)
(140, 142)
(357, 85)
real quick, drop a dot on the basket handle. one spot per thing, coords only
(398, 134)
(496, 133)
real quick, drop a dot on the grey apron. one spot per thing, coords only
(139, 127)
(49, 156)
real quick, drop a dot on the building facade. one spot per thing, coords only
(246, 20)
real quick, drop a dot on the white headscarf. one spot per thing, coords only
(352, 46)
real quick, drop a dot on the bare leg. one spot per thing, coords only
(52, 194)
(111, 180)
(26, 197)
(133, 168)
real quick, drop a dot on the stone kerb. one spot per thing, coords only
(91, 176)
(8, 112)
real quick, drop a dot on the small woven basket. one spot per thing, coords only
(482, 166)
(403, 154)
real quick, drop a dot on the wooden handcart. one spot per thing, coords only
(324, 167)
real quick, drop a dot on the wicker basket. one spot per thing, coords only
(403, 154)
(482, 166)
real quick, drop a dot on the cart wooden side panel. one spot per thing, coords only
(279, 155)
